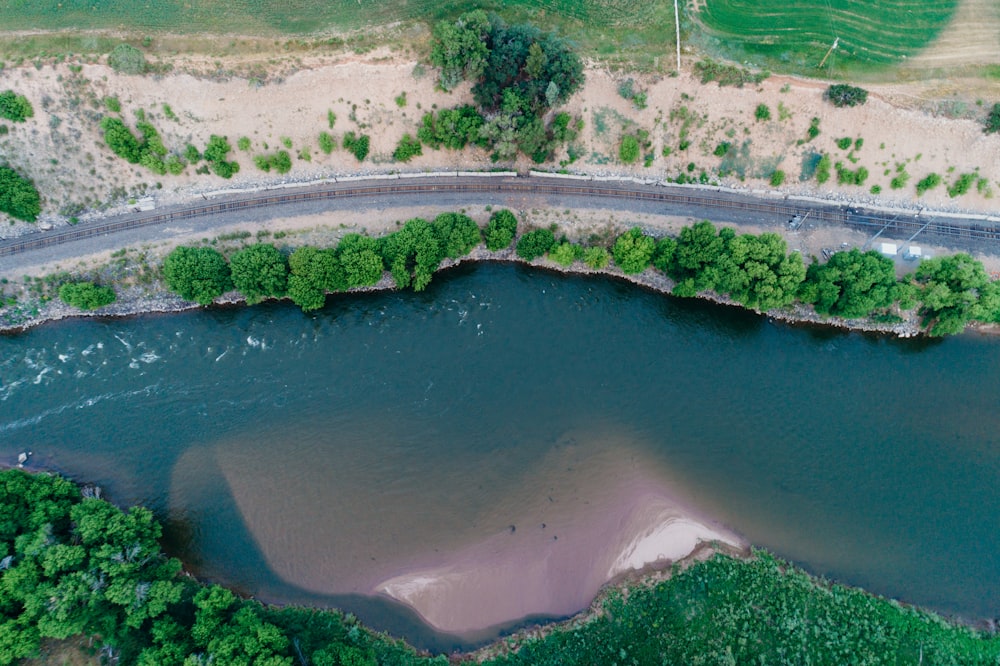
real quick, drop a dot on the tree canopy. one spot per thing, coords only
(501, 230)
(198, 274)
(955, 290)
(259, 271)
(633, 251)
(851, 284)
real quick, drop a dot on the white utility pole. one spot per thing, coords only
(677, 28)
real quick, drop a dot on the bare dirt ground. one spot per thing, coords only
(384, 95)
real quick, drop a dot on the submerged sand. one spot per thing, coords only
(470, 544)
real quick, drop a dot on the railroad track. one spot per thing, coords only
(830, 213)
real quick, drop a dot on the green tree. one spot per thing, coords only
(259, 271)
(851, 284)
(451, 128)
(950, 293)
(501, 230)
(758, 272)
(15, 107)
(459, 48)
(413, 253)
(217, 153)
(18, 196)
(361, 261)
(535, 243)
(566, 253)
(86, 295)
(313, 273)
(633, 251)
(458, 234)
(596, 257)
(198, 274)
(120, 140)
(357, 145)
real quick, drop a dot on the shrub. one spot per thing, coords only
(451, 128)
(326, 142)
(823, 169)
(962, 185)
(259, 271)
(216, 152)
(596, 257)
(720, 150)
(777, 178)
(931, 181)
(112, 104)
(762, 112)
(813, 130)
(535, 243)
(899, 182)
(628, 151)
(501, 230)
(86, 295)
(841, 95)
(844, 143)
(991, 124)
(197, 274)
(243, 143)
(126, 59)
(331, 118)
(18, 196)
(727, 75)
(280, 161)
(633, 251)
(191, 153)
(565, 253)
(15, 107)
(407, 149)
(357, 145)
(121, 141)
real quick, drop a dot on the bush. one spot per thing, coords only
(823, 169)
(535, 243)
(931, 181)
(126, 59)
(197, 274)
(628, 151)
(813, 130)
(451, 128)
(357, 145)
(565, 253)
(407, 149)
(501, 230)
(280, 161)
(633, 251)
(216, 152)
(727, 75)
(15, 107)
(596, 257)
(86, 295)
(326, 142)
(762, 112)
(112, 104)
(243, 143)
(121, 141)
(18, 196)
(844, 143)
(259, 271)
(992, 123)
(962, 185)
(777, 178)
(721, 150)
(900, 181)
(841, 95)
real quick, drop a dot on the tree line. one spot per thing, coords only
(72, 564)
(753, 270)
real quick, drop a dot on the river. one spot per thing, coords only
(305, 458)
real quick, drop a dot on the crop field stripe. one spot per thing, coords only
(831, 214)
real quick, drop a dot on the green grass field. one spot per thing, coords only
(615, 29)
(796, 35)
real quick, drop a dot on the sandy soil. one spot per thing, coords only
(62, 148)
(541, 540)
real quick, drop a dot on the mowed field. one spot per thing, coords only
(605, 27)
(796, 34)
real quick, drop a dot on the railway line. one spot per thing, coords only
(706, 201)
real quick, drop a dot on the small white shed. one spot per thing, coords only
(888, 249)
